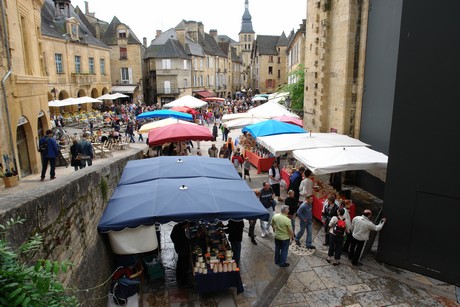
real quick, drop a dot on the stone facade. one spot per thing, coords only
(66, 215)
(295, 52)
(334, 60)
(24, 101)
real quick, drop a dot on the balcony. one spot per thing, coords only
(83, 79)
(167, 72)
(168, 90)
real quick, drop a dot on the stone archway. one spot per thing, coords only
(23, 146)
(83, 106)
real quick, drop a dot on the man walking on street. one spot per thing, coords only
(266, 198)
(361, 227)
(306, 218)
(282, 228)
(213, 151)
(52, 152)
(274, 178)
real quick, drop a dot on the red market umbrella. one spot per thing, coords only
(289, 120)
(178, 133)
(185, 109)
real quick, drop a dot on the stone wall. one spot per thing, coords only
(67, 216)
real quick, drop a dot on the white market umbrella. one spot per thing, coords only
(112, 96)
(161, 123)
(271, 109)
(57, 103)
(338, 159)
(187, 101)
(87, 99)
(259, 98)
(232, 116)
(243, 122)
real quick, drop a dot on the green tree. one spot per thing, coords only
(296, 90)
(24, 285)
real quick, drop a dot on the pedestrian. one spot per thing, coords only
(85, 151)
(52, 152)
(230, 148)
(329, 210)
(181, 240)
(214, 131)
(346, 245)
(283, 235)
(130, 132)
(361, 227)
(252, 223)
(237, 161)
(306, 185)
(266, 198)
(274, 178)
(74, 154)
(305, 214)
(293, 207)
(140, 137)
(247, 168)
(91, 127)
(294, 182)
(337, 228)
(235, 236)
(213, 151)
(223, 152)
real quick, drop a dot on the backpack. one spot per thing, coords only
(339, 228)
(43, 148)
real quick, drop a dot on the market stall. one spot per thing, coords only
(192, 188)
(262, 163)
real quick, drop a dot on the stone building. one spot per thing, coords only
(269, 63)
(246, 41)
(23, 100)
(334, 63)
(126, 53)
(295, 52)
(187, 61)
(77, 63)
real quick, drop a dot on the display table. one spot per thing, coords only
(214, 282)
(286, 177)
(318, 204)
(262, 164)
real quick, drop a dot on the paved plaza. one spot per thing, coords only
(309, 281)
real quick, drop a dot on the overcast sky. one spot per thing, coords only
(144, 17)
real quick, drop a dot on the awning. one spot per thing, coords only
(124, 89)
(205, 94)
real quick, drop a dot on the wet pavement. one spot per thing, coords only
(309, 281)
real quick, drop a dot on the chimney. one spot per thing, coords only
(213, 33)
(86, 8)
(144, 40)
(180, 33)
(158, 33)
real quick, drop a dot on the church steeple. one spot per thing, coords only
(246, 23)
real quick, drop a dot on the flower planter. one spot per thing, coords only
(11, 181)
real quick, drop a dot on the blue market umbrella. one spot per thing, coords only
(179, 199)
(165, 114)
(163, 167)
(272, 127)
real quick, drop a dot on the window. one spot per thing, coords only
(123, 53)
(167, 85)
(279, 60)
(77, 64)
(122, 33)
(102, 64)
(270, 59)
(166, 63)
(91, 65)
(185, 65)
(185, 83)
(270, 70)
(279, 73)
(58, 61)
(124, 75)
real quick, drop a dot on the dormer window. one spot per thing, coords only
(73, 28)
(122, 34)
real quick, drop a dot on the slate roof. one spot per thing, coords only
(224, 46)
(266, 44)
(166, 46)
(210, 46)
(225, 38)
(110, 36)
(56, 27)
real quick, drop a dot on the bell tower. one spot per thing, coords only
(246, 40)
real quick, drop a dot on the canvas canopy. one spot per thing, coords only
(193, 191)
(339, 159)
(271, 109)
(282, 143)
(272, 127)
(187, 101)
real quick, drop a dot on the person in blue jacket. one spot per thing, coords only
(50, 155)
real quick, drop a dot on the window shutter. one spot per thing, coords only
(130, 72)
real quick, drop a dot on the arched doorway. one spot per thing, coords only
(22, 147)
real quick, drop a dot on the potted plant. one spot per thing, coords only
(9, 174)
